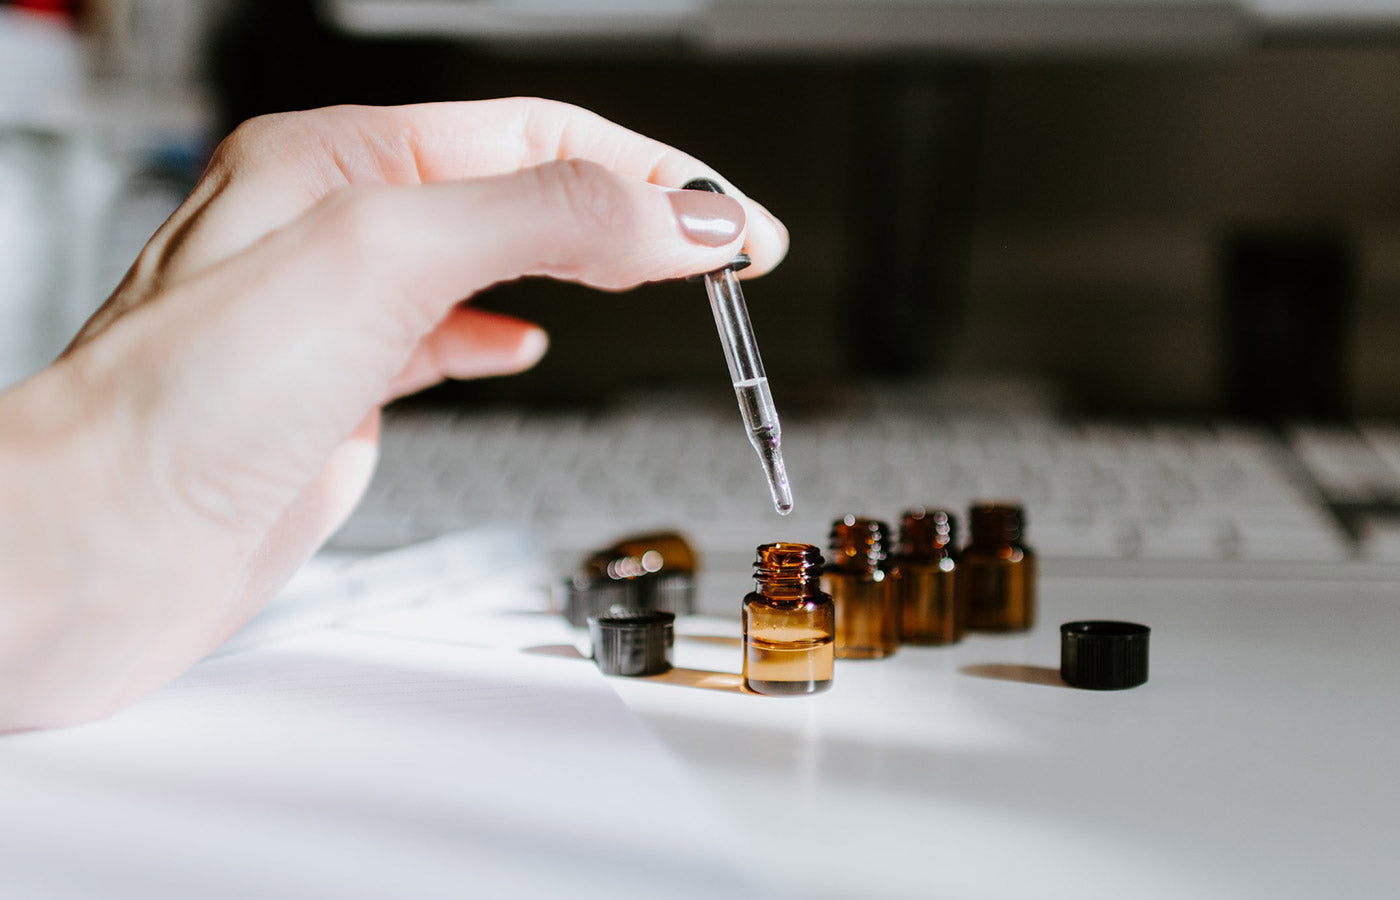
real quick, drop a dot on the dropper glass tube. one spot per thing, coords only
(746, 368)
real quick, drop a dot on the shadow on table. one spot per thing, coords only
(704, 679)
(1016, 672)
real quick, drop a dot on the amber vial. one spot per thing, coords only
(789, 624)
(924, 573)
(997, 572)
(867, 619)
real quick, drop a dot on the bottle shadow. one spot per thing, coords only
(701, 679)
(1043, 675)
(711, 639)
(561, 651)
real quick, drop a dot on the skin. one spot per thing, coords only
(218, 418)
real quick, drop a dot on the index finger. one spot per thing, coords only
(287, 162)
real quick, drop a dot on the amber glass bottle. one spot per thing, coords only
(789, 624)
(924, 572)
(997, 571)
(644, 571)
(867, 620)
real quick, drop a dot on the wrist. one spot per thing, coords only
(61, 527)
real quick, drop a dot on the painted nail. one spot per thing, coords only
(532, 347)
(712, 220)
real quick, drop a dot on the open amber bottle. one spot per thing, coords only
(997, 571)
(789, 624)
(925, 572)
(867, 620)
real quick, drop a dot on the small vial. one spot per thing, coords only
(924, 572)
(644, 571)
(789, 624)
(867, 620)
(997, 571)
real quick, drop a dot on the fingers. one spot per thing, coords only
(470, 343)
(273, 168)
(428, 246)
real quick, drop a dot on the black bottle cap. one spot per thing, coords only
(584, 597)
(633, 641)
(1103, 656)
(703, 184)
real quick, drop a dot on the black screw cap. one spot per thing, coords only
(633, 641)
(1103, 656)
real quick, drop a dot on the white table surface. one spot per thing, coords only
(1258, 761)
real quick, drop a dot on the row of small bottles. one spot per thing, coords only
(870, 596)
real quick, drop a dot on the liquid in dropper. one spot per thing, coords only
(766, 437)
(746, 368)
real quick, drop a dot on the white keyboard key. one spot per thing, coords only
(1283, 542)
(1380, 541)
(1090, 540)
(1186, 539)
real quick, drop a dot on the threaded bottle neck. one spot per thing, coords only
(859, 545)
(787, 570)
(996, 523)
(925, 532)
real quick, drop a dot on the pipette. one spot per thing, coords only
(746, 367)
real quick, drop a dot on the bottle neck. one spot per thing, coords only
(858, 545)
(927, 532)
(996, 523)
(787, 571)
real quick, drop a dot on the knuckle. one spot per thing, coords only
(253, 135)
(590, 195)
(361, 219)
(286, 135)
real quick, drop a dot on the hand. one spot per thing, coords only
(217, 418)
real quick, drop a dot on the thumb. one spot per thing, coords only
(578, 221)
(422, 248)
(357, 282)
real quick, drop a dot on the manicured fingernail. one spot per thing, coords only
(532, 346)
(712, 220)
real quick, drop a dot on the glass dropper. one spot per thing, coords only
(746, 367)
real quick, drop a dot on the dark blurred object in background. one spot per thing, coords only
(1288, 304)
(919, 128)
(278, 55)
(1043, 213)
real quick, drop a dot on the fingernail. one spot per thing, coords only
(532, 346)
(711, 220)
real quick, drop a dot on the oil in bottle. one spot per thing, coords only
(924, 572)
(867, 620)
(789, 624)
(997, 570)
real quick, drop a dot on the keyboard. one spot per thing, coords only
(1215, 498)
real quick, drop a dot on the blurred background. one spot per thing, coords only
(1088, 199)
(1172, 207)
(1177, 211)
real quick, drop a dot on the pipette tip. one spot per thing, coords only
(769, 448)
